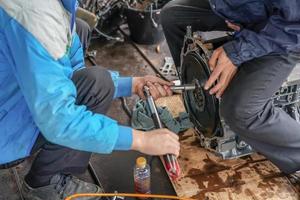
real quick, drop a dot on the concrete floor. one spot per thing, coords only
(116, 170)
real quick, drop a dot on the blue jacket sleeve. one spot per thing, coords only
(50, 95)
(280, 36)
(123, 85)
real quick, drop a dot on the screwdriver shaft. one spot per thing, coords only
(183, 87)
(169, 159)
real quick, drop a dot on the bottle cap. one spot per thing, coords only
(141, 162)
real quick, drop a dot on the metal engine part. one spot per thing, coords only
(168, 69)
(109, 16)
(215, 135)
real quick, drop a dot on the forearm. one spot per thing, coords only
(249, 45)
(137, 140)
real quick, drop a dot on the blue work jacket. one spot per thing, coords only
(39, 51)
(268, 27)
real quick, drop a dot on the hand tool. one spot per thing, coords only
(170, 161)
(186, 87)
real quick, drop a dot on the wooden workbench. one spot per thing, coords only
(205, 176)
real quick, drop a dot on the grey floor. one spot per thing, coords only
(115, 170)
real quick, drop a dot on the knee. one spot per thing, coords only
(101, 81)
(167, 16)
(95, 82)
(95, 88)
(237, 113)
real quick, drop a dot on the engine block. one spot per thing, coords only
(215, 135)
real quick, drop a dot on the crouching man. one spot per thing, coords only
(249, 69)
(51, 104)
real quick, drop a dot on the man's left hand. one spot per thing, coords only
(223, 70)
(158, 87)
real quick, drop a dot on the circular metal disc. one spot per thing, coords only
(202, 107)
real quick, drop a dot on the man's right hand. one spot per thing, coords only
(157, 142)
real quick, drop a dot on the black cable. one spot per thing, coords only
(92, 60)
(126, 107)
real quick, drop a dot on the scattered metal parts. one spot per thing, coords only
(117, 197)
(91, 56)
(154, 23)
(169, 67)
(157, 49)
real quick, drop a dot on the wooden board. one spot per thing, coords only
(205, 176)
(173, 103)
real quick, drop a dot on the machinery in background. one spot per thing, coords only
(109, 16)
(106, 16)
(214, 133)
(143, 18)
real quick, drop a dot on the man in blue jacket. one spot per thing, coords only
(250, 68)
(51, 103)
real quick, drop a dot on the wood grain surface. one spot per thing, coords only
(206, 176)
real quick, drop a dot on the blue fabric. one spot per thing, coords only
(18, 132)
(37, 95)
(71, 5)
(124, 141)
(268, 27)
(124, 88)
(123, 85)
(76, 54)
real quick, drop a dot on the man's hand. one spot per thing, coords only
(158, 87)
(223, 70)
(233, 26)
(157, 142)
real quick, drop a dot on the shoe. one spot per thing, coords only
(60, 187)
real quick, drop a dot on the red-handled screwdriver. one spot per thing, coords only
(170, 161)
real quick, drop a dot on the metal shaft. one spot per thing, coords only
(183, 87)
(187, 87)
